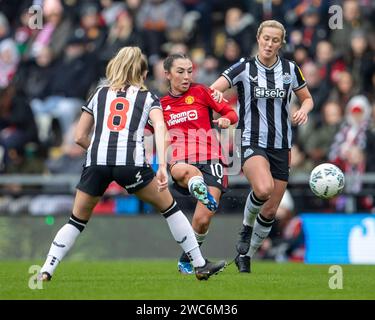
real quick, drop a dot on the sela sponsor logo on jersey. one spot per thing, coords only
(181, 117)
(261, 92)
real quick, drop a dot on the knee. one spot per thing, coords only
(185, 173)
(201, 223)
(269, 212)
(180, 174)
(263, 190)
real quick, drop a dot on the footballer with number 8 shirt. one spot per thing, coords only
(196, 160)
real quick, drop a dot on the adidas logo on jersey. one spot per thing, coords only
(168, 107)
(261, 92)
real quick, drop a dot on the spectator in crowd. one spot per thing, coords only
(121, 34)
(110, 11)
(329, 66)
(157, 84)
(64, 100)
(17, 126)
(312, 30)
(369, 87)
(9, 58)
(347, 150)
(55, 32)
(23, 33)
(359, 59)
(207, 71)
(370, 143)
(343, 90)
(319, 137)
(318, 92)
(71, 157)
(91, 27)
(300, 54)
(231, 54)
(352, 20)
(157, 20)
(299, 161)
(240, 27)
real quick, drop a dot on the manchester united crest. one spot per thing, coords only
(189, 100)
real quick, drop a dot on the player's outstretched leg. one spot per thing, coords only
(209, 269)
(61, 244)
(199, 190)
(243, 243)
(184, 265)
(243, 263)
(180, 229)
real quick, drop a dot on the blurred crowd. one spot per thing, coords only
(47, 73)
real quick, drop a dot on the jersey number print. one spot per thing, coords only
(117, 117)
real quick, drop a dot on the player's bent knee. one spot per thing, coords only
(203, 221)
(183, 174)
(264, 191)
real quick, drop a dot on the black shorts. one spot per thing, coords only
(213, 175)
(279, 160)
(95, 179)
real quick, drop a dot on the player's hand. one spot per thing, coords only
(162, 178)
(222, 123)
(217, 95)
(299, 117)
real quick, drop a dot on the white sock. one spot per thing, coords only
(251, 210)
(200, 237)
(194, 180)
(183, 233)
(260, 232)
(60, 246)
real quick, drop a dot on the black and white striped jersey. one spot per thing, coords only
(264, 95)
(120, 118)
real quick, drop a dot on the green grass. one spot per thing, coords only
(158, 279)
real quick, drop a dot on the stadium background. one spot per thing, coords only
(46, 74)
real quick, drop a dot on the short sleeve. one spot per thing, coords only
(91, 102)
(233, 72)
(154, 102)
(298, 79)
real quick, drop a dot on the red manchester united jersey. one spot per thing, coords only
(189, 121)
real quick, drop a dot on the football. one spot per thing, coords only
(326, 180)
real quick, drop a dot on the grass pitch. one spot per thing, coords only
(159, 279)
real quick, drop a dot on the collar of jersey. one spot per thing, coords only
(175, 96)
(264, 66)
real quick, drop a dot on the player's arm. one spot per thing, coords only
(228, 115)
(221, 84)
(307, 104)
(161, 142)
(83, 130)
